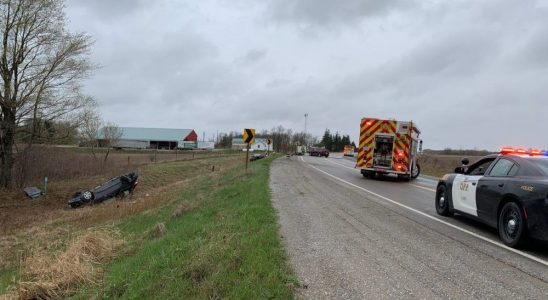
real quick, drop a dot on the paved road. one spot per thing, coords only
(353, 238)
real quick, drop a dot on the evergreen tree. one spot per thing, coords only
(337, 143)
(327, 139)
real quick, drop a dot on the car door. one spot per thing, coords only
(491, 188)
(465, 186)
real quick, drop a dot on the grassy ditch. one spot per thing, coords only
(208, 196)
(190, 233)
(219, 240)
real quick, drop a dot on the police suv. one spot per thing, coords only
(508, 191)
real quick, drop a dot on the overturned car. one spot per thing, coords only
(116, 186)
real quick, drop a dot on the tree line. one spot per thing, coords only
(335, 142)
(286, 140)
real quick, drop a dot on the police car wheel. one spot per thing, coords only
(511, 225)
(442, 202)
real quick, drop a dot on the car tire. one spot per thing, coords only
(87, 196)
(415, 171)
(511, 225)
(442, 202)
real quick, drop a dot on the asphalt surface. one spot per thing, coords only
(354, 238)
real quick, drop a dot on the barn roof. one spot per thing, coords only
(151, 134)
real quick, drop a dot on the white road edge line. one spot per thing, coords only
(423, 187)
(526, 255)
(415, 185)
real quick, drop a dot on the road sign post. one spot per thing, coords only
(249, 138)
(268, 143)
(246, 157)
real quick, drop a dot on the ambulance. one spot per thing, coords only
(389, 147)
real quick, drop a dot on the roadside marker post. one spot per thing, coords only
(249, 138)
(268, 143)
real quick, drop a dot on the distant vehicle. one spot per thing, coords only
(348, 150)
(301, 150)
(114, 187)
(318, 152)
(389, 147)
(507, 191)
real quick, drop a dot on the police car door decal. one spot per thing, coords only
(464, 193)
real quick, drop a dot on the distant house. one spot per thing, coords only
(153, 138)
(259, 145)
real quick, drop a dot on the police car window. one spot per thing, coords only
(542, 163)
(513, 171)
(501, 168)
(480, 167)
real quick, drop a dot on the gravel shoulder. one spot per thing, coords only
(345, 245)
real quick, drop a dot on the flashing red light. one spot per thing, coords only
(521, 151)
(535, 152)
(368, 123)
(400, 153)
(399, 167)
(506, 150)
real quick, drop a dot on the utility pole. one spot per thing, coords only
(305, 117)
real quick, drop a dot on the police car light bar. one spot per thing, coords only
(522, 151)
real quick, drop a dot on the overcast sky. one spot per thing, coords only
(469, 73)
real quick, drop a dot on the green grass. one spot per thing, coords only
(7, 278)
(226, 247)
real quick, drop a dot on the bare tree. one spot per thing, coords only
(89, 128)
(41, 65)
(110, 136)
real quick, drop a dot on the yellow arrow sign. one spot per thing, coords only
(249, 136)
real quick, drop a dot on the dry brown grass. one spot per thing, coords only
(47, 224)
(438, 165)
(158, 230)
(47, 276)
(182, 209)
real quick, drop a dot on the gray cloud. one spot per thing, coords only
(467, 72)
(324, 13)
(251, 57)
(108, 9)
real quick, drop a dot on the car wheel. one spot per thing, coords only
(511, 225)
(415, 171)
(442, 202)
(87, 196)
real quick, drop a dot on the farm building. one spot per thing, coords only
(153, 138)
(259, 145)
